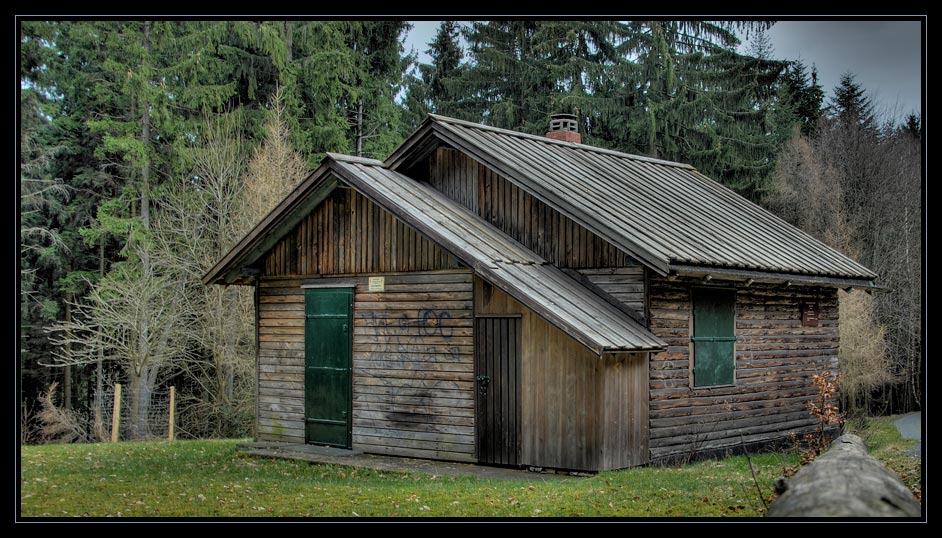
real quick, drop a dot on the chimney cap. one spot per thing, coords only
(564, 127)
(563, 116)
(564, 122)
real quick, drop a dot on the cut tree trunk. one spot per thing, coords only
(845, 482)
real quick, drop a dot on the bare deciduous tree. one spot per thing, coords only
(857, 188)
(134, 321)
(199, 220)
(275, 169)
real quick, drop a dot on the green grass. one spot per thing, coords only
(885, 443)
(209, 478)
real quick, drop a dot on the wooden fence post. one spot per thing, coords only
(173, 407)
(116, 413)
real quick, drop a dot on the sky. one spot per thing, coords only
(885, 56)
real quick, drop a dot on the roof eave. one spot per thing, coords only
(729, 273)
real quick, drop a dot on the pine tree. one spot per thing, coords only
(415, 102)
(851, 104)
(507, 84)
(371, 86)
(443, 75)
(522, 72)
(913, 125)
(802, 96)
(697, 100)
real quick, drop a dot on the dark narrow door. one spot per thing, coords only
(328, 323)
(497, 375)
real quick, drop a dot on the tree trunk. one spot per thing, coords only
(99, 371)
(359, 127)
(67, 371)
(845, 482)
(289, 28)
(145, 139)
(139, 397)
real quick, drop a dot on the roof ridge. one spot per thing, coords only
(538, 138)
(354, 159)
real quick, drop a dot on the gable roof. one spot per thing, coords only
(666, 214)
(505, 263)
(500, 260)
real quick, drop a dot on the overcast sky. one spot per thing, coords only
(886, 56)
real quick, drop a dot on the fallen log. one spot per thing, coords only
(845, 481)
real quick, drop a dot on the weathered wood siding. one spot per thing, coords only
(624, 284)
(349, 234)
(577, 411)
(625, 436)
(413, 366)
(775, 359)
(280, 360)
(518, 214)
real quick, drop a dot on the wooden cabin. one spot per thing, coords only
(490, 296)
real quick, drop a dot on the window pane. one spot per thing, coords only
(713, 337)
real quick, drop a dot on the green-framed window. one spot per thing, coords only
(714, 337)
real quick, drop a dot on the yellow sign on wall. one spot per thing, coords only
(377, 283)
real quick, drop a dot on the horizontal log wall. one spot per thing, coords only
(349, 234)
(775, 359)
(280, 360)
(539, 227)
(413, 369)
(624, 284)
(577, 411)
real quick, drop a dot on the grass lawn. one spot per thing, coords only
(209, 478)
(886, 444)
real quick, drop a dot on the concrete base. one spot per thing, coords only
(355, 458)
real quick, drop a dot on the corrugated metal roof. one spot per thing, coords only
(505, 263)
(665, 214)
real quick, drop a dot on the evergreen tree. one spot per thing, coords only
(761, 46)
(522, 72)
(371, 86)
(850, 103)
(443, 75)
(670, 89)
(508, 85)
(913, 126)
(802, 96)
(698, 101)
(415, 102)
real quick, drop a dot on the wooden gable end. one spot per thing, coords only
(550, 234)
(349, 234)
(517, 213)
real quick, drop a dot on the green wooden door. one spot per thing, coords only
(328, 324)
(714, 338)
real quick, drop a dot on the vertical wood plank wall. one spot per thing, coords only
(413, 365)
(577, 411)
(775, 359)
(537, 226)
(349, 234)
